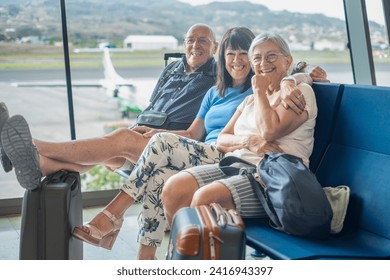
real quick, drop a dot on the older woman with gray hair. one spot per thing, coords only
(259, 117)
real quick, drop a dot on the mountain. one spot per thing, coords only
(113, 20)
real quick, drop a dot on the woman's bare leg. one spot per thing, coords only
(146, 252)
(117, 207)
(182, 190)
(120, 204)
(177, 193)
(214, 192)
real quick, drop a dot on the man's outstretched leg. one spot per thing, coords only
(121, 143)
(31, 165)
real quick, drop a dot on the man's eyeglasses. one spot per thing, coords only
(270, 58)
(201, 40)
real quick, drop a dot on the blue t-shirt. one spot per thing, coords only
(216, 111)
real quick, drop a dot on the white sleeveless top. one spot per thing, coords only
(298, 143)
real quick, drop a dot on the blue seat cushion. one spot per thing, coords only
(278, 245)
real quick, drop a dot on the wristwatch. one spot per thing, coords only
(300, 67)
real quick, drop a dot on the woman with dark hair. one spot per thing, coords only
(235, 39)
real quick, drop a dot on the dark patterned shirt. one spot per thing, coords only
(181, 94)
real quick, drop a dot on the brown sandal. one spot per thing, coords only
(93, 235)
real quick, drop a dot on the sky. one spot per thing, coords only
(333, 8)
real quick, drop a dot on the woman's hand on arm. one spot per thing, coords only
(286, 122)
(291, 96)
(316, 73)
(142, 129)
(152, 131)
(319, 75)
(228, 141)
(290, 90)
(259, 146)
(254, 143)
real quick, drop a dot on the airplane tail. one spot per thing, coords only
(109, 70)
(120, 88)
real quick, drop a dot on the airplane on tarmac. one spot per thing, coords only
(124, 90)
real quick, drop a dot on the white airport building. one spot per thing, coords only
(150, 42)
(327, 45)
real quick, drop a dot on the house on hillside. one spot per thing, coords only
(150, 42)
(30, 39)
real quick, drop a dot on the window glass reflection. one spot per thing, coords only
(379, 41)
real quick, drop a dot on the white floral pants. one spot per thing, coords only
(165, 155)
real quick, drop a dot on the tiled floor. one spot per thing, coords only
(124, 249)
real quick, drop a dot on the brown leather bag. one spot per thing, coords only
(207, 232)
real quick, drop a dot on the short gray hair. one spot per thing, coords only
(212, 34)
(269, 36)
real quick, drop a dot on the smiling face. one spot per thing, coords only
(237, 65)
(200, 46)
(267, 59)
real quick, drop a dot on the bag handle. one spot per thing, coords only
(220, 214)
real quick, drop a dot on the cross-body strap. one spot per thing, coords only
(170, 70)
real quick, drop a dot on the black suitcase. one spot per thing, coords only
(207, 233)
(49, 214)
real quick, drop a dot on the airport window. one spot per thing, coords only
(379, 41)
